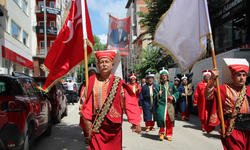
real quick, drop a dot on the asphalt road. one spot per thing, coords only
(187, 135)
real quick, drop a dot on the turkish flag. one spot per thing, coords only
(68, 49)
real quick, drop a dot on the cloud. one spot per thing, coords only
(115, 7)
(103, 38)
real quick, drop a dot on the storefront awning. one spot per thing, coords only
(12, 56)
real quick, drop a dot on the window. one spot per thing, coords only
(52, 23)
(16, 1)
(51, 43)
(52, 4)
(15, 30)
(24, 6)
(3, 22)
(42, 44)
(26, 70)
(41, 23)
(40, 3)
(25, 37)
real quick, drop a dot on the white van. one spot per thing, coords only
(195, 75)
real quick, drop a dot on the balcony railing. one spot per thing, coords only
(41, 51)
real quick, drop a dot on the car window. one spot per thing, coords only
(28, 86)
(36, 88)
(10, 87)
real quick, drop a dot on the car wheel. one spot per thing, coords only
(58, 116)
(49, 128)
(29, 139)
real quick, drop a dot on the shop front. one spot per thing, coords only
(230, 25)
(12, 61)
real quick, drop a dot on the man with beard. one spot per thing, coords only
(135, 87)
(200, 98)
(165, 97)
(91, 71)
(107, 99)
(147, 103)
(235, 99)
(185, 100)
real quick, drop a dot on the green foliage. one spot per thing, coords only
(150, 19)
(97, 46)
(153, 59)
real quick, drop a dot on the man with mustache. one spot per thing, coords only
(165, 97)
(200, 98)
(135, 87)
(185, 101)
(235, 99)
(107, 98)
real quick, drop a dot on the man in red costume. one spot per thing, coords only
(200, 99)
(135, 87)
(107, 98)
(91, 71)
(235, 98)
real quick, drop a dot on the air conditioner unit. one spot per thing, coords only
(4, 71)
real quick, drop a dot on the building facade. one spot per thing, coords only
(230, 24)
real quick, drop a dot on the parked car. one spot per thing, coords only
(57, 98)
(76, 97)
(25, 112)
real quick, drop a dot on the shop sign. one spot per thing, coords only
(229, 8)
(12, 56)
(50, 10)
(50, 30)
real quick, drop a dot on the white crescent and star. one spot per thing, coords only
(70, 24)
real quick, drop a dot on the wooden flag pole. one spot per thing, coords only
(218, 88)
(86, 65)
(215, 66)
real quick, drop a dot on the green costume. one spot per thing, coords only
(161, 102)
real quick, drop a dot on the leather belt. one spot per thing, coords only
(242, 122)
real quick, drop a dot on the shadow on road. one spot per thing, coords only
(215, 136)
(150, 136)
(64, 137)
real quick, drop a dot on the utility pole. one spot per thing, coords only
(45, 34)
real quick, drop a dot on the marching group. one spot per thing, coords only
(108, 97)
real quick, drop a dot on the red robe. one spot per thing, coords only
(199, 99)
(137, 93)
(239, 139)
(110, 133)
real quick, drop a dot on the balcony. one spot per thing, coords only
(49, 10)
(50, 30)
(41, 51)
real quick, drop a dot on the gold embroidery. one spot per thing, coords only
(213, 118)
(106, 106)
(237, 107)
(113, 113)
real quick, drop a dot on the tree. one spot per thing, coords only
(97, 46)
(150, 19)
(152, 59)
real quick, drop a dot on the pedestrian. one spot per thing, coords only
(165, 97)
(91, 71)
(177, 106)
(147, 103)
(235, 98)
(199, 98)
(143, 81)
(108, 97)
(185, 99)
(71, 92)
(135, 87)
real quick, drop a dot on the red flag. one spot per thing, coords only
(68, 49)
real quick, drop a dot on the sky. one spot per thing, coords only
(99, 11)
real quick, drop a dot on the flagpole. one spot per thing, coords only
(85, 37)
(215, 66)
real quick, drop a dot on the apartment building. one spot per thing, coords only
(15, 33)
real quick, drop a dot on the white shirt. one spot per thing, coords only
(71, 86)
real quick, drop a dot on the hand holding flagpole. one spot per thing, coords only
(217, 79)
